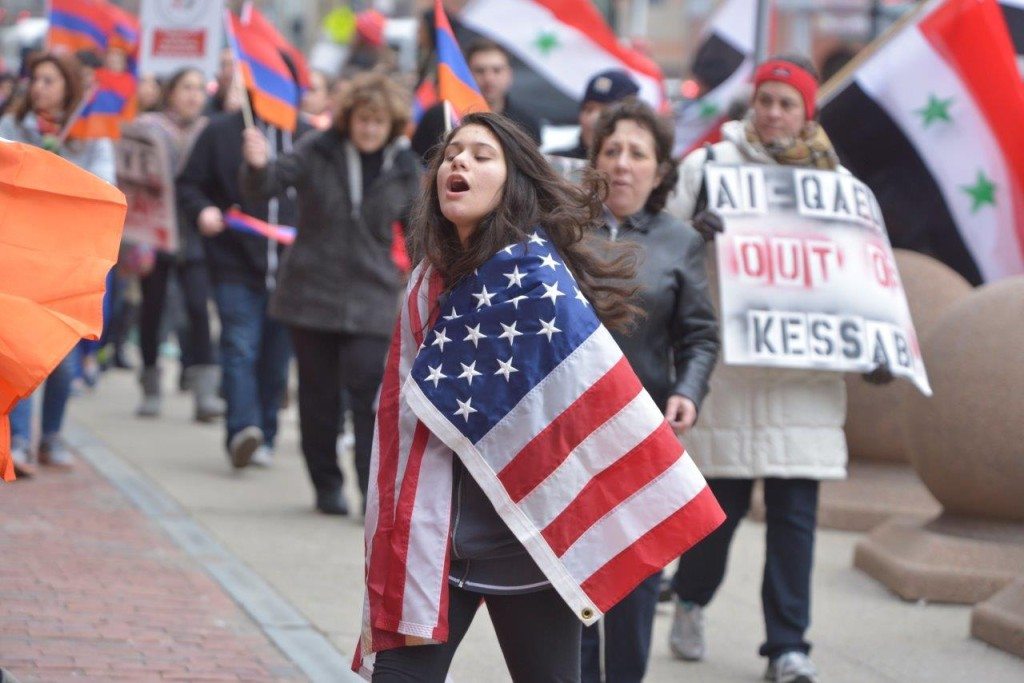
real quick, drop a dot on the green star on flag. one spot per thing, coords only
(982, 192)
(546, 42)
(708, 109)
(936, 110)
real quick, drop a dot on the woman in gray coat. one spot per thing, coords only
(339, 284)
(672, 348)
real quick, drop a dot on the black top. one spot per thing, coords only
(430, 130)
(674, 347)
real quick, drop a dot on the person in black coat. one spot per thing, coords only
(491, 66)
(603, 90)
(340, 284)
(254, 349)
(673, 348)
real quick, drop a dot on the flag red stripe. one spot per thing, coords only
(584, 17)
(652, 551)
(387, 452)
(548, 450)
(610, 487)
(972, 38)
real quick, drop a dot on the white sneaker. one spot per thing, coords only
(262, 457)
(23, 466)
(686, 639)
(791, 667)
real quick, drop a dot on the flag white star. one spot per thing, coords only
(483, 298)
(549, 261)
(505, 368)
(515, 300)
(548, 328)
(508, 249)
(465, 409)
(509, 332)
(551, 292)
(435, 375)
(440, 339)
(580, 297)
(469, 372)
(475, 335)
(536, 239)
(515, 277)
(453, 316)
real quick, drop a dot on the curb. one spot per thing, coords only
(291, 632)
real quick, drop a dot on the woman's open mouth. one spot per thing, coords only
(456, 184)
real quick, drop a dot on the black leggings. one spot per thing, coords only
(195, 286)
(539, 637)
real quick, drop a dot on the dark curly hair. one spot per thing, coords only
(664, 137)
(533, 195)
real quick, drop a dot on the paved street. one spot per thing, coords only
(86, 572)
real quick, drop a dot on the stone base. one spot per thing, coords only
(872, 493)
(999, 621)
(949, 559)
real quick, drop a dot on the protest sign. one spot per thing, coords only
(180, 33)
(144, 175)
(807, 274)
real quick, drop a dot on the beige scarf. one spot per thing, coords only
(811, 148)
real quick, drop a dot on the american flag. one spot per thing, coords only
(513, 371)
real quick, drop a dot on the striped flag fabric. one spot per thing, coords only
(270, 84)
(932, 119)
(110, 103)
(559, 45)
(242, 222)
(423, 99)
(455, 83)
(125, 35)
(724, 65)
(79, 25)
(255, 20)
(516, 377)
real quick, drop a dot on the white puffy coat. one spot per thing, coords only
(761, 422)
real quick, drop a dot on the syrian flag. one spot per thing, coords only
(1013, 12)
(558, 45)
(723, 63)
(932, 119)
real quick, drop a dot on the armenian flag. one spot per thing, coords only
(270, 84)
(112, 101)
(236, 220)
(255, 20)
(455, 82)
(125, 32)
(79, 25)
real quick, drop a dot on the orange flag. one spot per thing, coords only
(60, 228)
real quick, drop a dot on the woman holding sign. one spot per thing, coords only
(784, 426)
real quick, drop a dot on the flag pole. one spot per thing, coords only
(76, 114)
(761, 33)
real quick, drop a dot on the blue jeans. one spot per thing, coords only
(791, 510)
(627, 637)
(56, 391)
(254, 353)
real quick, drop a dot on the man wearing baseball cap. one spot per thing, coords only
(604, 89)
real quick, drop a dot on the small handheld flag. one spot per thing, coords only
(455, 82)
(236, 220)
(268, 81)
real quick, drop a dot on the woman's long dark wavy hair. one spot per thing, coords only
(533, 195)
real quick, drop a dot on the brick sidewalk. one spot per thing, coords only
(92, 589)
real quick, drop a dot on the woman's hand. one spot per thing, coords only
(708, 223)
(211, 221)
(254, 147)
(680, 412)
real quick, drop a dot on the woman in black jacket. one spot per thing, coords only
(673, 348)
(339, 284)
